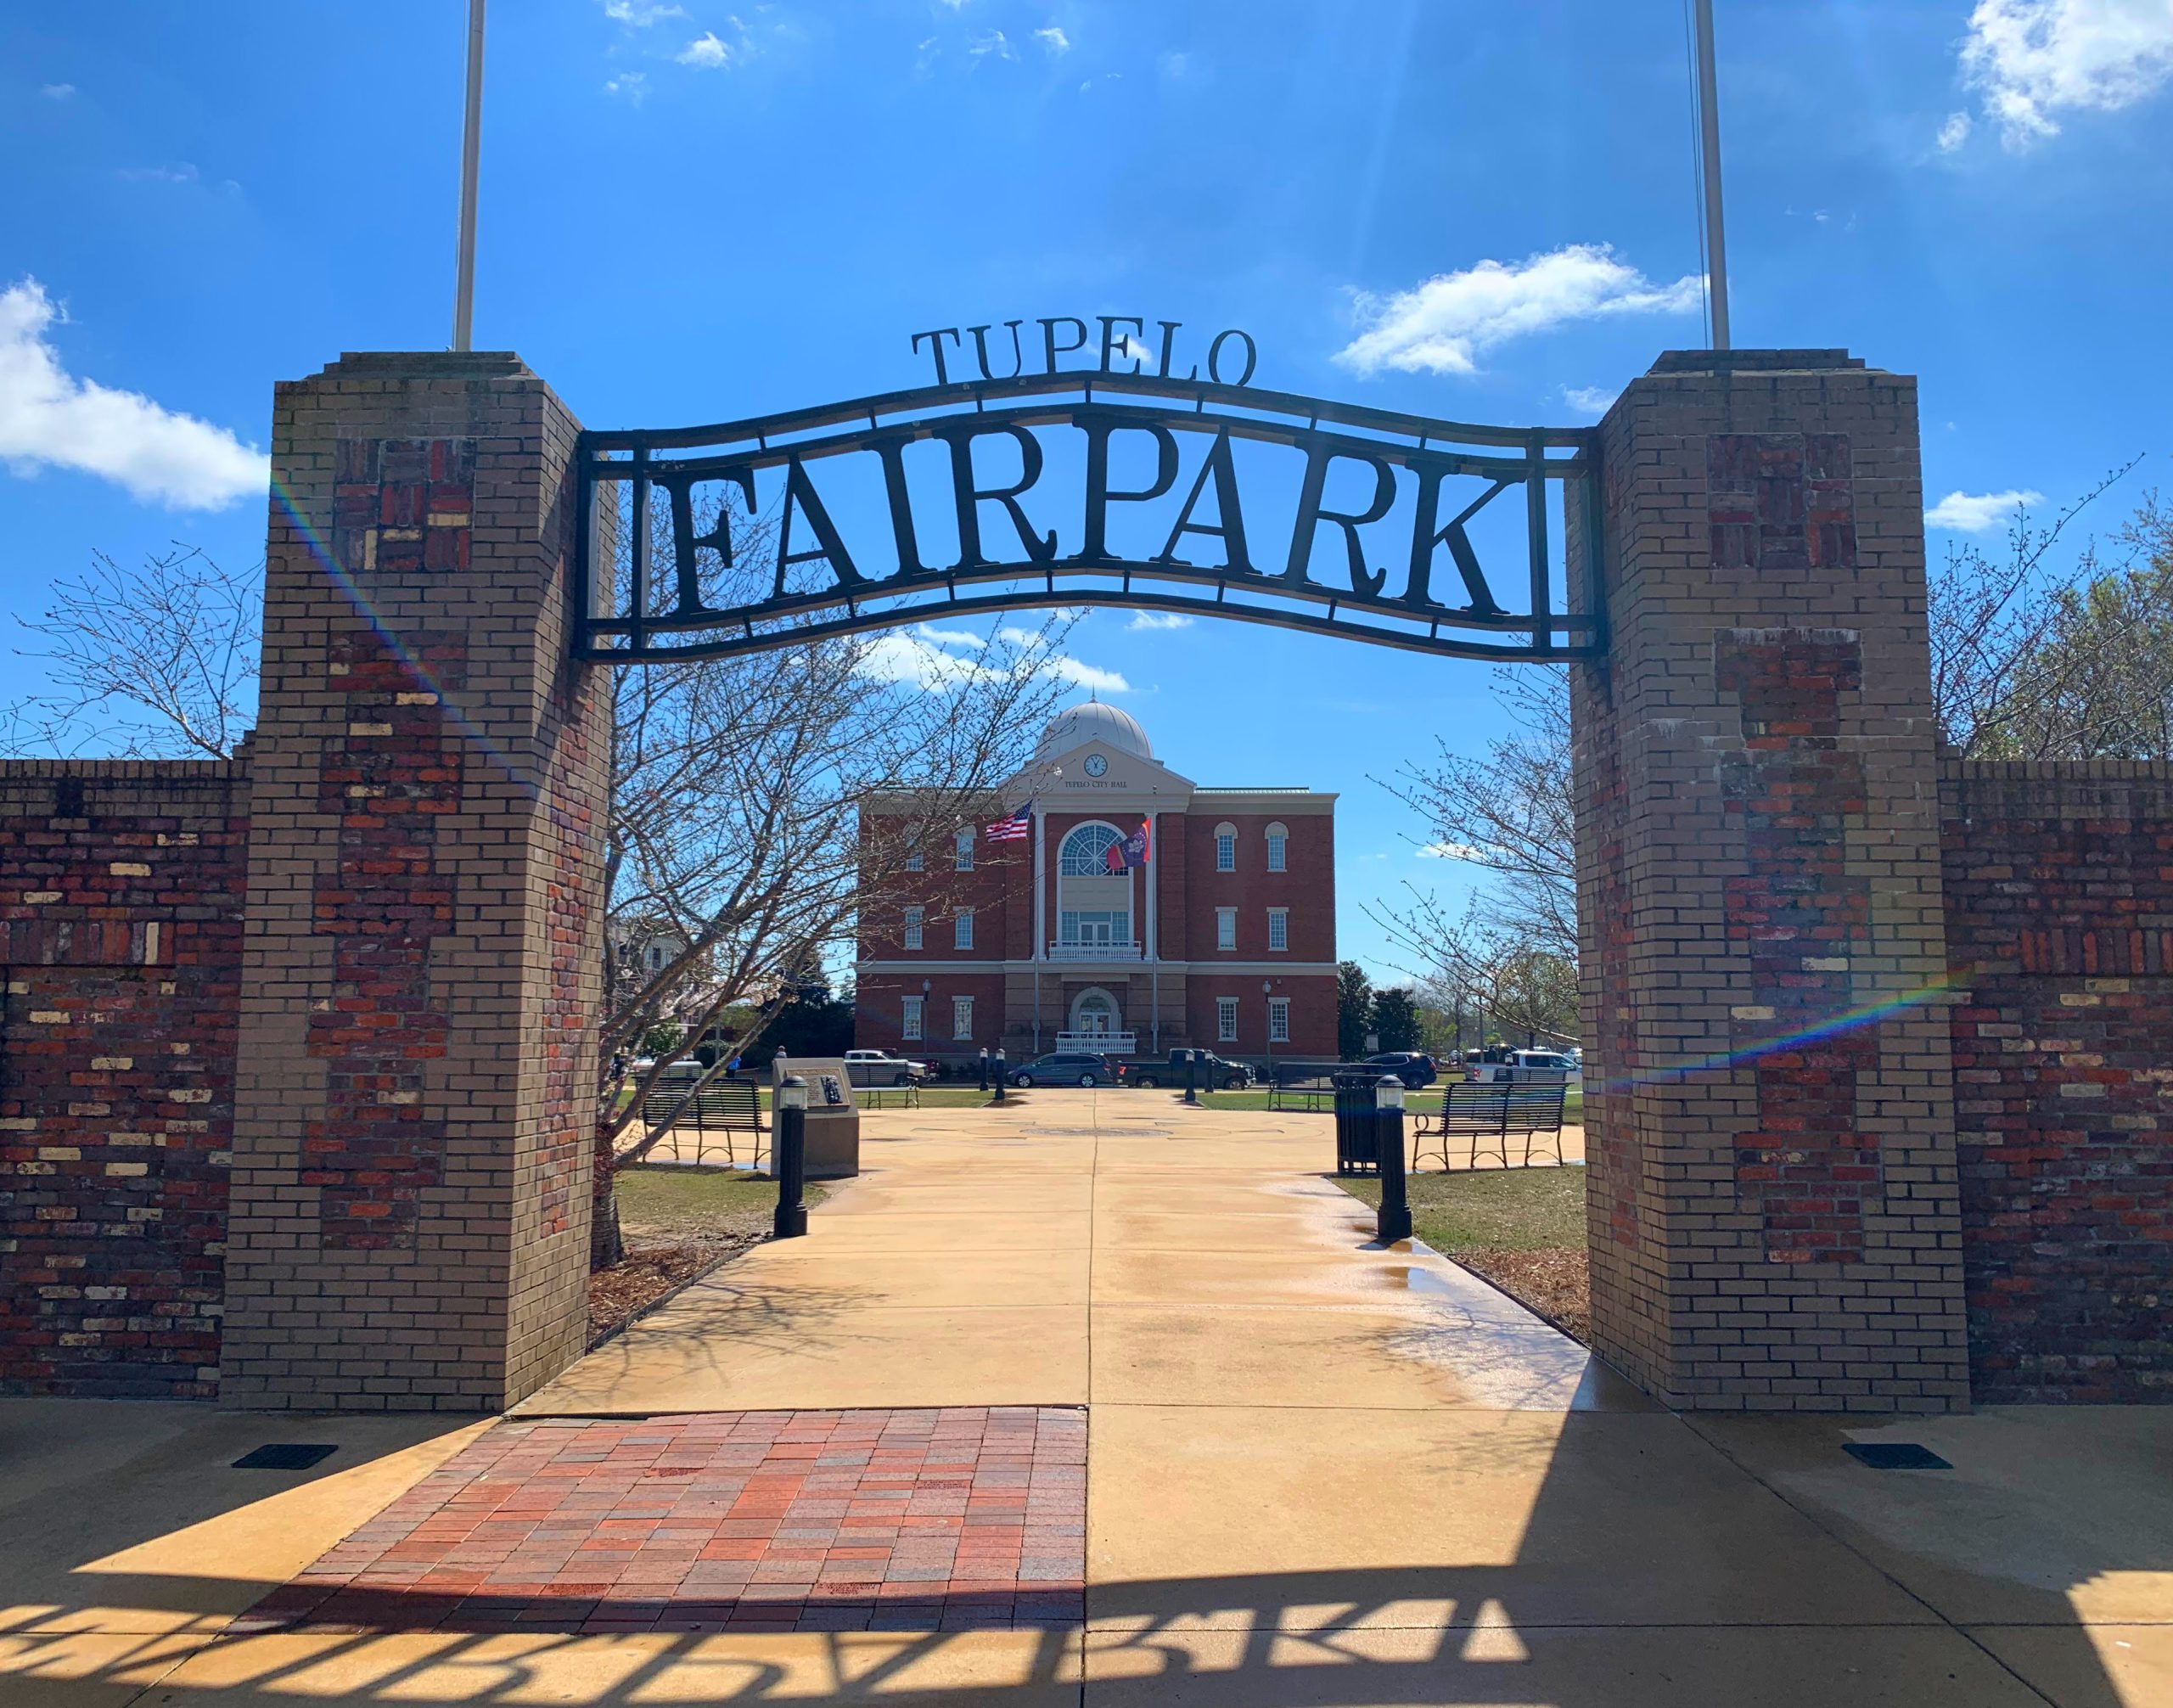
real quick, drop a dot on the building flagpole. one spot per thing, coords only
(1709, 131)
(471, 143)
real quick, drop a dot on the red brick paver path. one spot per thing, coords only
(775, 1521)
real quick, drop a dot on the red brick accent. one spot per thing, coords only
(121, 915)
(2059, 884)
(730, 1520)
(1806, 1170)
(1781, 501)
(390, 780)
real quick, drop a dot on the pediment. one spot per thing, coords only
(1066, 782)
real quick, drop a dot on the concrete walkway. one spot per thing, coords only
(1318, 1472)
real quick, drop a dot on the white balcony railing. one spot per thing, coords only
(1094, 952)
(1103, 1043)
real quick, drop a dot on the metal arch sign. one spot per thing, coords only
(661, 513)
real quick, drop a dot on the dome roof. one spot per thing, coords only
(1077, 725)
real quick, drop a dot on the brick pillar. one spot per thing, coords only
(1774, 1218)
(410, 1210)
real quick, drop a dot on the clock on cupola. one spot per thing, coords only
(1096, 765)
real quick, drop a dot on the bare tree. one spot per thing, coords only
(1479, 967)
(1994, 674)
(1511, 813)
(157, 664)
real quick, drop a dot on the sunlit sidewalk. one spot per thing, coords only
(1317, 1472)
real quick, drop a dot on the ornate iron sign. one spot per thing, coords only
(704, 542)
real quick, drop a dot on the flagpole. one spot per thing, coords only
(471, 143)
(1709, 131)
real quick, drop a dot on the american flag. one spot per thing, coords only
(1015, 829)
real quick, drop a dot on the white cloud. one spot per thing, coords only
(49, 419)
(1053, 39)
(947, 637)
(1589, 400)
(1444, 325)
(58, 92)
(1448, 850)
(639, 14)
(994, 43)
(1978, 513)
(183, 173)
(2030, 60)
(706, 50)
(633, 85)
(956, 5)
(1089, 675)
(1158, 620)
(1954, 132)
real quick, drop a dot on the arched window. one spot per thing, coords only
(1085, 852)
(1226, 847)
(1278, 848)
(963, 860)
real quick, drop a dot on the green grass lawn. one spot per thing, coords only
(1573, 1105)
(664, 1201)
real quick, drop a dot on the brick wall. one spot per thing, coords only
(121, 919)
(2059, 921)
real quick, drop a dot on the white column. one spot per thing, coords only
(1153, 940)
(1153, 844)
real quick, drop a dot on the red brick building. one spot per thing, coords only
(1224, 937)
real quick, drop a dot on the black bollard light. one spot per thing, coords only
(1191, 1078)
(791, 1158)
(1394, 1222)
(983, 1067)
(1002, 1074)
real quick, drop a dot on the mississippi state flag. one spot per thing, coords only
(1015, 829)
(1122, 857)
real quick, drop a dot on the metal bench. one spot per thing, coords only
(724, 1108)
(1487, 1116)
(1302, 1085)
(907, 1096)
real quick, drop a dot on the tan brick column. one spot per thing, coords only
(409, 1227)
(1774, 1215)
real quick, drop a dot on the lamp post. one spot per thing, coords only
(1191, 1078)
(983, 1067)
(791, 1158)
(1001, 1072)
(1394, 1221)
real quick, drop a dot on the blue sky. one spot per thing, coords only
(699, 211)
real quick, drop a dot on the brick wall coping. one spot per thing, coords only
(1702, 361)
(2055, 770)
(125, 769)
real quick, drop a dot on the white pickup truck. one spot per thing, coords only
(1539, 1067)
(880, 1067)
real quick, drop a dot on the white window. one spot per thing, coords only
(656, 958)
(962, 1018)
(1226, 927)
(1078, 927)
(1085, 852)
(1278, 928)
(1226, 847)
(1279, 1019)
(964, 860)
(911, 1030)
(912, 861)
(1278, 847)
(913, 916)
(961, 928)
(1226, 1020)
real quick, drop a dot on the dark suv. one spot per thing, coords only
(1067, 1067)
(1410, 1066)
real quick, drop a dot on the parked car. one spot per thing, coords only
(1068, 1067)
(1214, 1072)
(880, 1067)
(1413, 1067)
(1542, 1067)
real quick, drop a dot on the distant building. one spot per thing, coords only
(1224, 936)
